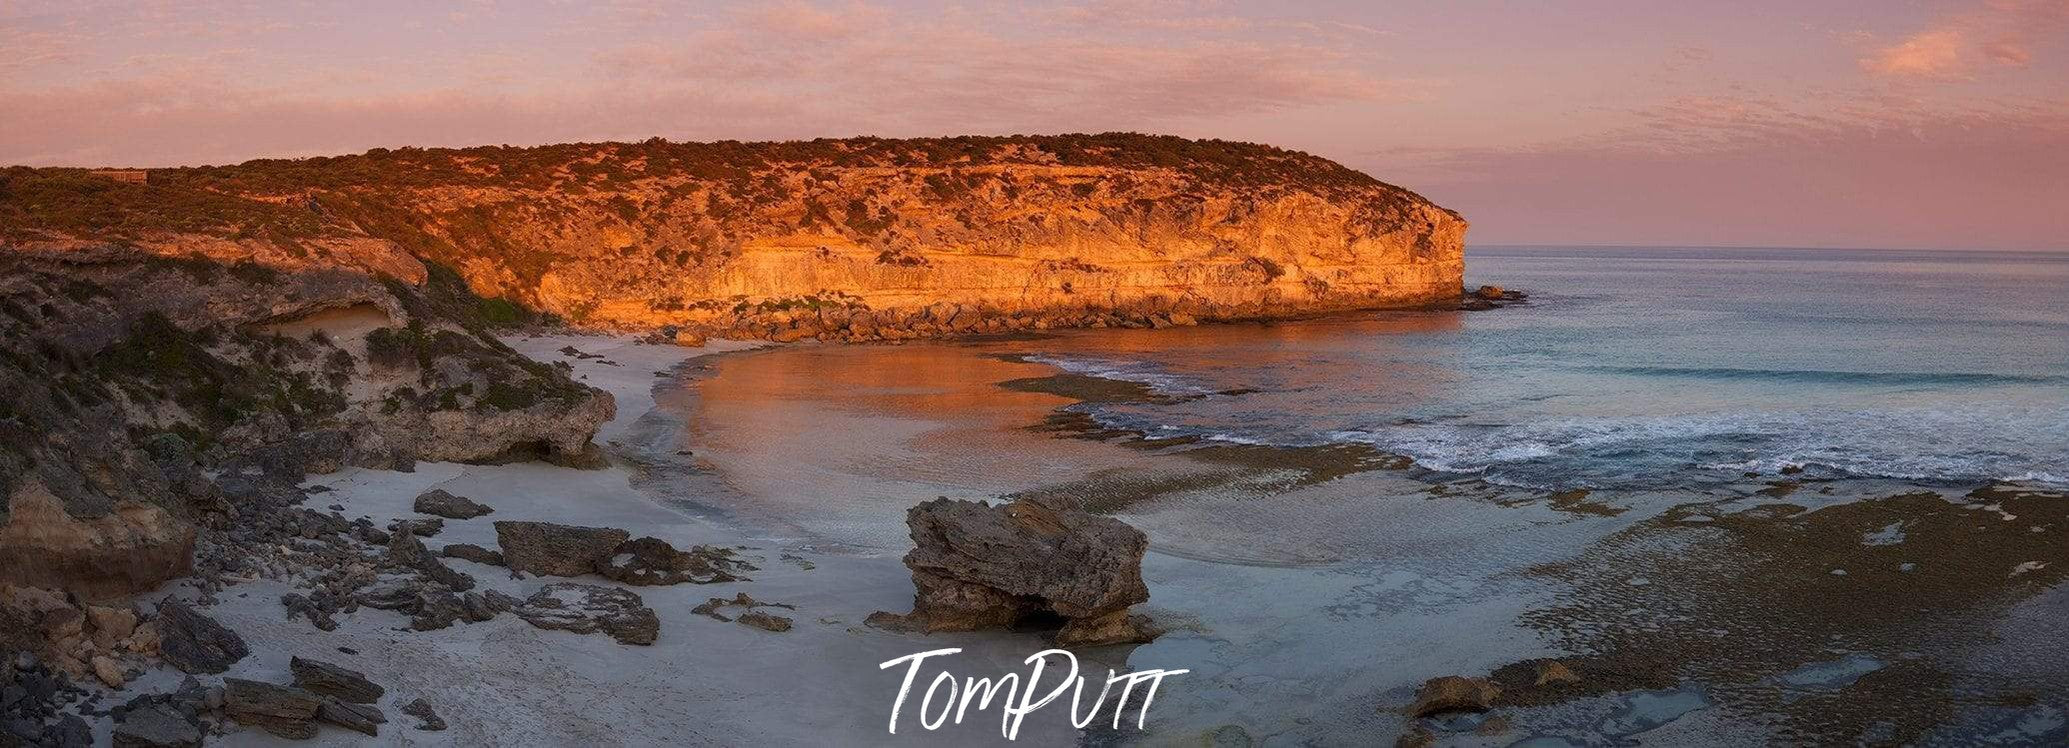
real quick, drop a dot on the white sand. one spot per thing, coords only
(705, 682)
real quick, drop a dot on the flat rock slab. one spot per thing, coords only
(548, 549)
(334, 681)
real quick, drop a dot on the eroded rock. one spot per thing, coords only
(980, 566)
(556, 550)
(652, 561)
(439, 503)
(1454, 693)
(586, 608)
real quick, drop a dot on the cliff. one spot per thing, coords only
(179, 350)
(837, 239)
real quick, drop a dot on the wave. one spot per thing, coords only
(1138, 372)
(1825, 376)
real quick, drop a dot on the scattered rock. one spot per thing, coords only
(1490, 293)
(335, 681)
(689, 339)
(422, 710)
(319, 615)
(1454, 693)
(652, 561)
(980, 566)
(437, 502)
(556, 550)
(195, 643)
(585, 608)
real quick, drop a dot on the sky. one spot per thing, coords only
(1826, 123)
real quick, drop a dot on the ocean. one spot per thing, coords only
(1660, 367)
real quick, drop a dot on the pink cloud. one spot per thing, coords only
(1954, 47)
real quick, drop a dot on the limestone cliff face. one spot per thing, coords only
(848, 239)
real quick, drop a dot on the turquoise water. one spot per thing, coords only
(1645, 367)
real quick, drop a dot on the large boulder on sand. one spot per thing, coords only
(979, 566)
(556, 550)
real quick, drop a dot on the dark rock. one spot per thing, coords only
(404, 550)
(979, 566)
(1454, 693)
(281, 710)
(476, 607)
(155, 726)
(422, 710)
(195, 643)
(471, 552)
(652, 561)
(335, 681)
(437, 502)
(360, 717)
(585, 608)
(250, 697)
(556, 550)
(69, 732)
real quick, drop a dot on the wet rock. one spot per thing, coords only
(334, 681)
(1490, 293)
(584, 608)
(556, 550)
(364, 718)
(438, 502)
(1454, 693)
(195, 643)
(421, 709)
(652, 561)
(979, 566)
(1551, 672)
(471, 552)
(155, 725)
(282, 710)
